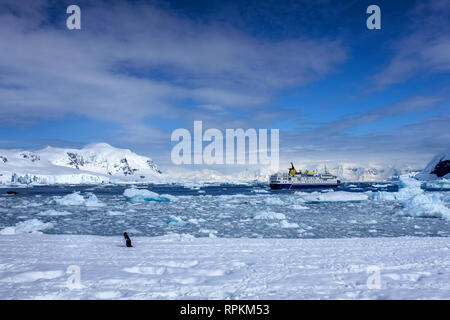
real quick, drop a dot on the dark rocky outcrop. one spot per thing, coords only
(442, 168)
(75, 160)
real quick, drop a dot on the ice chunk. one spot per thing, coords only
(28, 226)
(426, 205)
(273, 201)
(143, 195)
(408, 188)
(268, 215)
(73, 199)
(260, 191)
(92, 201)
(380, 185)
(443, 184)
(336, 196)
(114, 213)
(53, 212)
(176, 221)
(286, 224)
(299, 207)
(76, 199)
(407, 182)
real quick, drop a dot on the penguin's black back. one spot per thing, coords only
(127, 239)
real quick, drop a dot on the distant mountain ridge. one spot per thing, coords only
(101, 163)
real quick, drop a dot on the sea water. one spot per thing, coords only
(222, 210)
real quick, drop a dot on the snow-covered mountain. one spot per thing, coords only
(356, 172)
(95, 163)
(102, 163)
(373, 172)
(345, 172)
(437, 168)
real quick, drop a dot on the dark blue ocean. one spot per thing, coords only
(232, 211)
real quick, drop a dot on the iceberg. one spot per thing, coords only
(76, 199)
(408, 187)
(144, 195)
(417, 202)
(426, 205)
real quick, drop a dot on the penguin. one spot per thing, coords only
(127, 240)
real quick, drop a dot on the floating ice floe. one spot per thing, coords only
(76, 199)
(176, 221)
(287, 225)
(336, 196)
(260, 191)
(53, 212)
(144, 195)
(268, 215)
(299, 207)
(273, 201)
(284, 224)
(443, 184)
(28, 226)
(115, 213)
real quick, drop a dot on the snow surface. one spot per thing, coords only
(182, 267)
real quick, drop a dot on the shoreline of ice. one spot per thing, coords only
(179, 266)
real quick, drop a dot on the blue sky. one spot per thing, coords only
(137, 70)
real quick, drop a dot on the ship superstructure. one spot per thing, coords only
(306, 179)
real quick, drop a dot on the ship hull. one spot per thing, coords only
(281, 186)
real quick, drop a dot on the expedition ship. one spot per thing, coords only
(303, 180)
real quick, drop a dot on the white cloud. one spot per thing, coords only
(132, 62)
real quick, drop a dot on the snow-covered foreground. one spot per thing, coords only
(34, 266)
